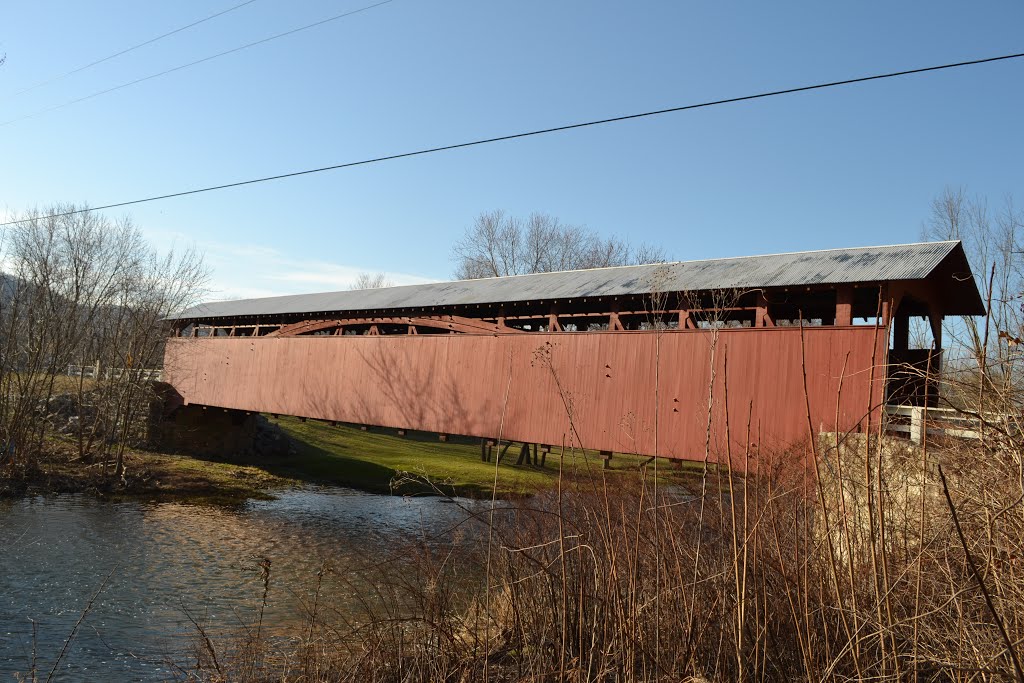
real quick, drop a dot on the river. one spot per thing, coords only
(150, 565)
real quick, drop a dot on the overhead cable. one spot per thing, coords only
(181, 67)
(130, 49)
(542, 131)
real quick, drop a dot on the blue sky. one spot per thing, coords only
(844, 167)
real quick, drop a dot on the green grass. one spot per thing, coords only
(374, 460)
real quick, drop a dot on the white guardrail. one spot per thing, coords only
(941, 422)
(90, 372)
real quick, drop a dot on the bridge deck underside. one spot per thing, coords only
(635, 392)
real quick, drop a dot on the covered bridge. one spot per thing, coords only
(638, 359)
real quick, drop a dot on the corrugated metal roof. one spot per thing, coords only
(831, 266)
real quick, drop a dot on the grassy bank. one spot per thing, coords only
(148, 476)
(378, 460)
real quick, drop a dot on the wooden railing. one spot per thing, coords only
(950, 422)
(94, 372)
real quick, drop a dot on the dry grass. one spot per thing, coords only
(754, 581)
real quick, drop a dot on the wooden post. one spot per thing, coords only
(916, 425)
(935, 321)
(844, 305)
(607, 457)
(442, 437)
(762, 316)
(401, 432)
(901, 333)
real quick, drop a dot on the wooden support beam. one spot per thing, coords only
(762, 314)
(606, 456)
(888, 307)
(935, 321)
(844, 305)
(901, 333)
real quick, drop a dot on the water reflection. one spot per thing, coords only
(164, 559)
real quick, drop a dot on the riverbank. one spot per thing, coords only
(148, 476)
(373, 460)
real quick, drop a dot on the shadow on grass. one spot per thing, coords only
(314, 464)
(335, 456)
(380, 460)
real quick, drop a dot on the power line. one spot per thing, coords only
(542, 131)
(198, 61)
(130, 49)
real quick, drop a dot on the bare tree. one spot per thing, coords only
(498, 244)
(991, 240)
(83, 290)
(372, 281)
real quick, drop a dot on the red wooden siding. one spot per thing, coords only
(611, 382)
